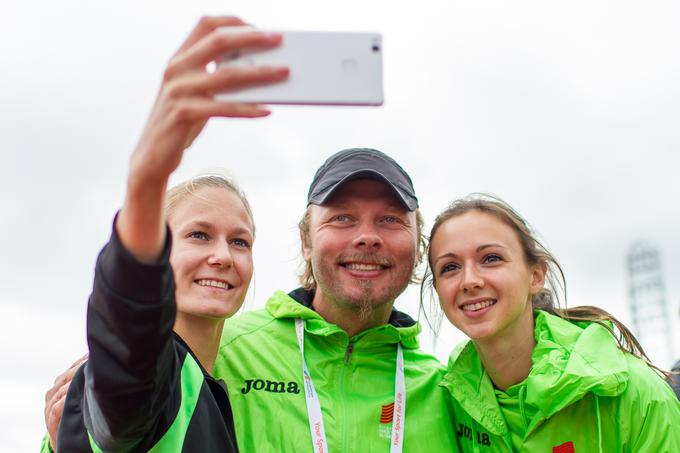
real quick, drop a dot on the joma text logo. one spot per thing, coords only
(269, 386)
(466, 432)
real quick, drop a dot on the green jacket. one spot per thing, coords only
(260, 361)
(582, 394)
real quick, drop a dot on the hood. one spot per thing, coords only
(401, 328)
(569, 361)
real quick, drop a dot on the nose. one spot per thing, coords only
(368, 238)
(471, 279)
(220, 255)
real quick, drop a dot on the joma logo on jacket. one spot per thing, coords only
(269, 386)
(467, 432)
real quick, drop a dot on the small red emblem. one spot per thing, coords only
(387, 413)
(567, 447)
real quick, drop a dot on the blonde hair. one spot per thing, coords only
(178, 193)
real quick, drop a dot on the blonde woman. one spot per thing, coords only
(175, 267)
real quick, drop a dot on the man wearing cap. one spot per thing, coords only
(331, 366)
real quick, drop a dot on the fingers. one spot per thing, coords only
(75, 365)
(224, 79)
(195, 109)
(214, 45)
(60, 388)
(55, 405)
(185, 101)
(56, 397)
(53, 418)
(205, 26)
(64, 379)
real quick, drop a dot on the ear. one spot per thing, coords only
(306, 242)
(419, 255)
(538, 274)
(420, 251)
(305, 248)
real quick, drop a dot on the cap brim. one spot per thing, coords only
(321, 197)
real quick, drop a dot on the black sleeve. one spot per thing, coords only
(128, 378)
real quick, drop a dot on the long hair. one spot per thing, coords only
(552, 298)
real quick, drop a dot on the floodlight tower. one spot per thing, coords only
(651, 317)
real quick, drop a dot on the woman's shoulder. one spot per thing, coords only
(649, 409)
(646, 384)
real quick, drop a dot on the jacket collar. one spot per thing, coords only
(569, 361)
(298, 304)
(468, 383)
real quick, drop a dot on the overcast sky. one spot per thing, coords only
(569, 111)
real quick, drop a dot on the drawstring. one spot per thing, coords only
(522, 391)
(599, 423)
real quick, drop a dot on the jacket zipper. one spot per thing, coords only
(348, 354)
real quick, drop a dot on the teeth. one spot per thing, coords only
(363, 267)
(478, 305)
(213, 283)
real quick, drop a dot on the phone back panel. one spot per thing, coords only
(331, 68)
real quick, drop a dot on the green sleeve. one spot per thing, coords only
(45, 447)
(658, 428)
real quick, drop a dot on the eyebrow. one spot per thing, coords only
(209, 226)
(199, 223)
(479, 249)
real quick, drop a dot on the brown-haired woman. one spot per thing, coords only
(534, 377)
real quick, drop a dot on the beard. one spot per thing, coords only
(361, 296)
(366, 305)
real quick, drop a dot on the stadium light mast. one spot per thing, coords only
(647, 293)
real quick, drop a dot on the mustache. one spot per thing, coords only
(366, 258)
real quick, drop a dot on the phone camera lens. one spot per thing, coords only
(375, 48)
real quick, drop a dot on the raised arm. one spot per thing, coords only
(184, 105)
(128, 377)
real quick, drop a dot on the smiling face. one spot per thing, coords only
(362, 245)
(481, 276)
(211, 257)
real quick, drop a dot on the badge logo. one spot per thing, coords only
(567, 447)
(385, 426)
(387, 413)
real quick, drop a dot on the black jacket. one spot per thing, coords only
(142, 386)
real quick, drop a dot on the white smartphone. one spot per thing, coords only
(326, 68)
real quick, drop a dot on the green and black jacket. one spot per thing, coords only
(142, 388)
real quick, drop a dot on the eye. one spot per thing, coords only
(391, 219)
(240, 243)
(198, 235)
(341, 218)
(448, 267)
(492, 258)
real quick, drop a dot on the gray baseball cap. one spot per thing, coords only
(361, 163)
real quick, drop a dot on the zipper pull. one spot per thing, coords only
(348, 354)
